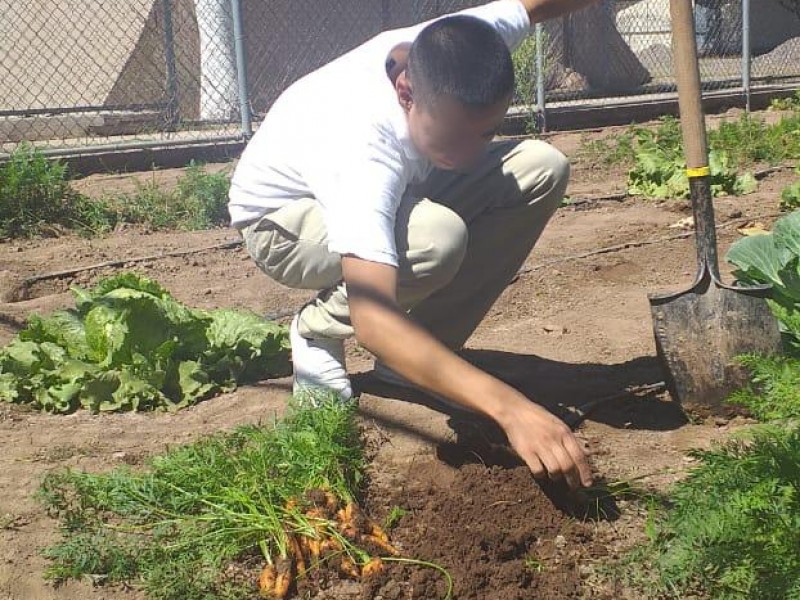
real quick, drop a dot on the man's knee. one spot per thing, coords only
(437, 243)
(542, 172)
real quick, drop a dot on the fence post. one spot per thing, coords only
(746, 52)
(540, 99)
(173, 115)
(241, 69)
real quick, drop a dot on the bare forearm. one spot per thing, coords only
(542, 10)
(419, 357)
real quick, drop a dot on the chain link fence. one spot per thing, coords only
(77, 75)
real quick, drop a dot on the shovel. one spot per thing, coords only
(700, 332)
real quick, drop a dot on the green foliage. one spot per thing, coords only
(35, 195)
(199, 201)
(750, 139)
(774, 259)
(617, 149)
(129, 345)
(774, 394)
(177, 528)
(657, 157)
(660, 166)
(524, 58)
(36, 198)
(734, 527)
(790, 195)
(789, 103)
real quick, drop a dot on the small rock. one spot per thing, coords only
(560, 541)
(720, 421)
(120, 455)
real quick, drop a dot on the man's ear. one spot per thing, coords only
(405, 95)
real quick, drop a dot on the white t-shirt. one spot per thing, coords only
(340, 136)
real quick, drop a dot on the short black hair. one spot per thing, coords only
(461, 57)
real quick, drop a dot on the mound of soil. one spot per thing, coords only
(493, 529)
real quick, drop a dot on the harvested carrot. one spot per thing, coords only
(373, 567)
(266, 581)
(379, 543)
(317, 512)
(349, 567)
(283, 578)
(300, 561)
(313, 546)
(375, 530)
(330, 546)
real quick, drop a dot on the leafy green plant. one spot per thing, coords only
(524, 58)
(36, 198)
(790, 195)
(750, 140)
(788, 103)
(202, 519)
(35, 195)
(774, 392)
(774, 259)
(660, 166)
(733, 529)
(199, 201)
(129, 345)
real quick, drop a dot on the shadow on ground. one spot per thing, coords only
(562, 388)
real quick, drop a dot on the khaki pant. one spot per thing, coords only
(460, 239)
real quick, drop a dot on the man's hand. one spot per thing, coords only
(543, 441)
(542, 10)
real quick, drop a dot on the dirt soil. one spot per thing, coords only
(574, 326)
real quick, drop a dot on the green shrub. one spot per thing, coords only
(35, 194)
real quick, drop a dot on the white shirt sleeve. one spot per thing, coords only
(360, 185)
(508, 17)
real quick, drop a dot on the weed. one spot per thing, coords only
(199, 201)
(789, 103)
(524, 58)
(393, 518)
(36, 198)
(35, 195)
(533, 564)
(751, 140)
(612, 150)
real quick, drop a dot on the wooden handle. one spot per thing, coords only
(687, 74)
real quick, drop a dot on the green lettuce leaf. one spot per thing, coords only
(129, 345)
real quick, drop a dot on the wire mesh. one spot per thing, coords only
(78, 73)
(85, 72)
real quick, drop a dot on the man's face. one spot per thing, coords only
(451, 135)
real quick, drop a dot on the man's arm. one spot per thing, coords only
(543, 441)
(541, 10)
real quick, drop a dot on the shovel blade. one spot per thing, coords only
(700, 332)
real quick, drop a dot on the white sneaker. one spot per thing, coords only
(319, 364)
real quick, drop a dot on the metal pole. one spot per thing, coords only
(241, 69)
(173, 115)
(746, 52)
(540, 99)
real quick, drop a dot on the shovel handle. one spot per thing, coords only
(693, 128)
